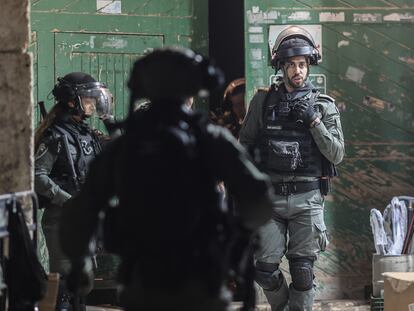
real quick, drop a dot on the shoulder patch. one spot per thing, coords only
(325, 97)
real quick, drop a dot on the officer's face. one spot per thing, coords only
(296, 71)
(89, 105)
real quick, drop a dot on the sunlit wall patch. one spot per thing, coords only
(109, 6)
(331, 17)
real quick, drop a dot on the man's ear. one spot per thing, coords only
(71, 104)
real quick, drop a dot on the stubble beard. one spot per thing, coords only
(296, 85)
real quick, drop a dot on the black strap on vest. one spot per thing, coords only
(71, 137)
(80, 165)
(272, 96)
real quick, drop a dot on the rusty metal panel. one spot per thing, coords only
(368, 62)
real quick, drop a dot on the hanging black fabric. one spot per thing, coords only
(25, 277)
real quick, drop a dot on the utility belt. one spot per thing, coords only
(288, 188)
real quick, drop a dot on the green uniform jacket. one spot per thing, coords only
(46, 156)
(328, 134)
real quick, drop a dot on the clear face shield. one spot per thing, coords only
(95, 97)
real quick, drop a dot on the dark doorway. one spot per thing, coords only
(226, 40)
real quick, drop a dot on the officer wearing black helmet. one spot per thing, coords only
(297, 137)
(65, 146)
(157, 185)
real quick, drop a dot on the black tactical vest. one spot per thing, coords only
(82, 147)
(165, 175)
(286, 146)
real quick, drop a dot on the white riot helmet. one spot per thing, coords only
(294, 41)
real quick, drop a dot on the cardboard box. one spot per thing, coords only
(399, 291)
(388, 263)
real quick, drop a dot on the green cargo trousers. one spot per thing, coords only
(297, 230)
(58, 262)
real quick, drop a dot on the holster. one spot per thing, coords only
(325, 183)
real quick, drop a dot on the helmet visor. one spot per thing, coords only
(101, 94)
(295, 51)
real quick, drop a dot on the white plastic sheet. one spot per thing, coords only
(390, 229)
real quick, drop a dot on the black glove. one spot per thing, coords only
(305, 113)
(80, 278)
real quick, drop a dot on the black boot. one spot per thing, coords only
(63, 298)
(82, 304)
(78, 303)
(63, 302)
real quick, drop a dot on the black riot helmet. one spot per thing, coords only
(76, 85)
(294, 41)
(170, 75)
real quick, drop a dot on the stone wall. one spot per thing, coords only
(16, 130)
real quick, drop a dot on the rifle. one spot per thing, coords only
(42, 109)
(74, 176)
(70, 162)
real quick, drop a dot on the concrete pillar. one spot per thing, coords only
(16, 130)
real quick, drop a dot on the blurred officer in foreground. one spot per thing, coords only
(157, 185)
(65, 146)
(298, 134)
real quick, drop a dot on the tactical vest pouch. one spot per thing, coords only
(325, 185)
(284, 156)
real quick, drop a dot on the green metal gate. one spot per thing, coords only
(106, 57)
(368, 67)
(103, 38)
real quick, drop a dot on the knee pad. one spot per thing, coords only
(268, 276)
(301, 270)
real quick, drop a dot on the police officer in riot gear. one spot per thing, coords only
(157, 185)
(297, 137)
(233, 109)
(65, 146)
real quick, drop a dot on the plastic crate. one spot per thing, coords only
(377, 304)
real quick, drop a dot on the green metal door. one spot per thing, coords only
(368, 67)
(103, 38)
(109, 35)
(107, 57)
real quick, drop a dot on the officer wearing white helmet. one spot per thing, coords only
(296, 131)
